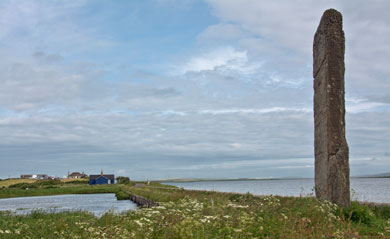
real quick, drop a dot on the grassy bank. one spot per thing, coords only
(7, 182)
(200, 214)
(53, 187)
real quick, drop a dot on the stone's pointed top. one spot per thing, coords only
(329, 39)
(331, 17)
(332, 12)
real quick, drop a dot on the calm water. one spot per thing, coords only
(363, 189)
(98, 204)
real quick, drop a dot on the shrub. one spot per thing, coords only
(235, 197)
(50, 186)
(123, 180)
(77, 182)
(38, 184)
(359, 213)
(120, 195)
(48, 182)
(23, 185)
(383, 211)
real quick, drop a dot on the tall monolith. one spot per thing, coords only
(330, 144)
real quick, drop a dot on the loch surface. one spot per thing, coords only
(362, 189)
(97, 204)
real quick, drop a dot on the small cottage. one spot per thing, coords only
(75, 175)
(102, 179)
(34, 176)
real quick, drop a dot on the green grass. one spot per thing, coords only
(47, 190)
(12, 181)
(7, 182)
(201, 214)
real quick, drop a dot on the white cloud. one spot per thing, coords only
(225, 58)
(39, 23)
(222, 32)
(121, 172)
(183, 4)
(281, 34)
(33, 85)
(254, 111)
(249, 163)
(361, 159)
(295, 166)
(285, 22)
(357, 105)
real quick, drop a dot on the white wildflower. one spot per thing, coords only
(261, 228)
(138, 222)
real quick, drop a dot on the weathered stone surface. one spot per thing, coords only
(141, 201)
(331, 149)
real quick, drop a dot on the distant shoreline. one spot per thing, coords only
(184, 180)
(190, 180)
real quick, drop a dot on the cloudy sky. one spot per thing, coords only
(183, 88)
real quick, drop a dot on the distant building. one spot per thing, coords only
(77, 175)
(34, 176)
(102, 179)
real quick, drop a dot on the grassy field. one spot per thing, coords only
(7, 182)
(201, 214)
(54, 187)
(65, 180)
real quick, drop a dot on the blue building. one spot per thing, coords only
(102, 179)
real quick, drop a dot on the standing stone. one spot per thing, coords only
(330, 144)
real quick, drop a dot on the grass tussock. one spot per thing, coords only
(201, 214)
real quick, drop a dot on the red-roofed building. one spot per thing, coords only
(77, 175)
